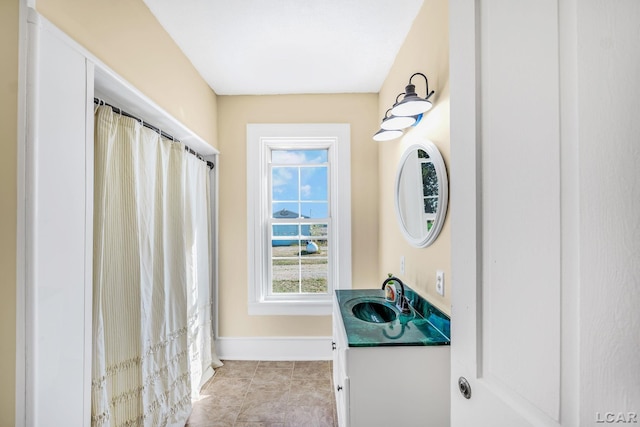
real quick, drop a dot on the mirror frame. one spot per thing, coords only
(443, 192)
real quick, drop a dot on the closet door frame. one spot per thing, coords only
(55, 217)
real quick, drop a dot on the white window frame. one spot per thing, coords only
(261, 139)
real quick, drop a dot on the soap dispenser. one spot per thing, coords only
(390, 290)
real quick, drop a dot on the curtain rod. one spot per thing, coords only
(153, 128)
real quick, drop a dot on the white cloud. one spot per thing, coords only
(281, 177)
(288, 157)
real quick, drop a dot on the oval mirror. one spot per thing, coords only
(422, 193)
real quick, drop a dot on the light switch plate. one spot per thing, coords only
(440, 282)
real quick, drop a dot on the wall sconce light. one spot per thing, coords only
(405, 113)
(397, 122)
(387, 134)
(412, 104)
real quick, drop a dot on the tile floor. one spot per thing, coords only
(267, 394)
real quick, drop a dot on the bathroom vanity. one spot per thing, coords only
(389, 368)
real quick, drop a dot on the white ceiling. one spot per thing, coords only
(257, 47)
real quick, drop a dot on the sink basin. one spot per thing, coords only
(374, 312)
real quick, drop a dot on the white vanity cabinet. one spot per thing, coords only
(389, 386)
(340, 377)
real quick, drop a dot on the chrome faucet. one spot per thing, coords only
(402, 303)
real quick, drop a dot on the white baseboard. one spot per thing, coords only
(274, 348)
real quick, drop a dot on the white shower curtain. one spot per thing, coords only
(199, 262)
(152, 335)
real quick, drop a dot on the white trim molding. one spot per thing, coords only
(274, 348)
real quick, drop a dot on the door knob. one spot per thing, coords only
(464, 387)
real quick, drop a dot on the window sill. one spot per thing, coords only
(291, 308)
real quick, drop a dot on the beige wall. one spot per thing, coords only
(235, 112)
(127, 37)
(8, 205)
(426, 50)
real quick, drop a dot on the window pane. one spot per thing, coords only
(314, 209)
(313, 183)
(299, 157)
(314, 273)
(430, 205)
(315, 248)
(317, 231)
(284, 183)
(429, 180)
(430, 224)
(422, 154)
(285, 234)
(285, 269)
(286, 210)
(289, 234)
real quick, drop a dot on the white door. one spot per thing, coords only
(506, 213)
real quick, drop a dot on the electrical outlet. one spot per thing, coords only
(440, 282)
(402, 264)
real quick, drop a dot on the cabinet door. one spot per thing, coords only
(58, 227)
(340, 378)
(342, 402)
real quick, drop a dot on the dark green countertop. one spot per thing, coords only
(426, 325)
